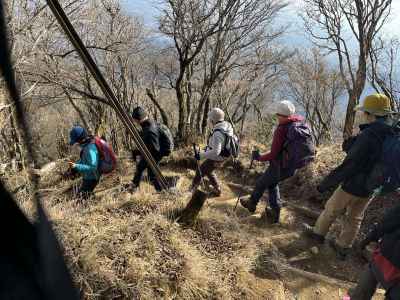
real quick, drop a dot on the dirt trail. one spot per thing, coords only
(263, 243)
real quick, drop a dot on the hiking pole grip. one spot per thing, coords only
(194, 149)
(196, 154)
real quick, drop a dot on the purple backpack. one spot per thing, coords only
(299, 148)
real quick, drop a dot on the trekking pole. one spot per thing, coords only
(196, 153)
(247, 176)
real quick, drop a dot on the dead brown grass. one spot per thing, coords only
(123, 246)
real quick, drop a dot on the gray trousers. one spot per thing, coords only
(207, 169)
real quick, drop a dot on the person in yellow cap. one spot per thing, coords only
(353, 195)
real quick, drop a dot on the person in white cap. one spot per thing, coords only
(282, 164)
(215, 152)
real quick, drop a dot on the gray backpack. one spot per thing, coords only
(166, 140)
(231, 146)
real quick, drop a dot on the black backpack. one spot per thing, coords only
(231, 145)
(166, 140)
(385, 176)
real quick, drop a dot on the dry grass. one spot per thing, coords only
(123, 246)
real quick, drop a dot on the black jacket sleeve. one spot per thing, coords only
(357, 155)
(348, 143)
(389, 224)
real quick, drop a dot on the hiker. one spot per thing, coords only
(352, 179)
(222, 143)
(88, 162)
(292, 148)
(158, 140)
(384, 268)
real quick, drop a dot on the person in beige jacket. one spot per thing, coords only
(213, 156)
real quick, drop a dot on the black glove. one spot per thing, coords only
(255, 155)
(70, 174)
(135, 153)
(197, 155)
(372, 236)
(364, 243)
(348, 143)
(196, 152)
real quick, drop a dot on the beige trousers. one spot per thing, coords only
(343, 203)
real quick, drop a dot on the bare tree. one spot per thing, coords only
(20, 15)
(331, 23)
(384, 70)
(212, 38)
(316, 88)
(116, 41)
(240, 93)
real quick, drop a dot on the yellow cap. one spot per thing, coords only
(376, 104)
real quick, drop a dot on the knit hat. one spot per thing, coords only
(139, 113)
(285, 108)
(376, 104)
(216, 115)
(77, 134)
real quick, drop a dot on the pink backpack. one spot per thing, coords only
(108, 160)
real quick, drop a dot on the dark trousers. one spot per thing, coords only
(270, 180)
(140, 168)
(367, 285)
(87, 187)
(207, 169)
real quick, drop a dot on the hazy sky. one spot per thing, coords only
(295, 37)
(147, 9)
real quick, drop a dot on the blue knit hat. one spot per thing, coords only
(139, 113)
(76, 134)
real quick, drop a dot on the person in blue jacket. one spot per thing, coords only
(87, 165)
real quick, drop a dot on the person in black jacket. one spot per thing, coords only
(151, 137)
(352, 178)
(384, 267)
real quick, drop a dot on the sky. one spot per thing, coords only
(148, 10)
(295, 36)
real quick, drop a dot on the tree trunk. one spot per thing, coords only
(350, 116)
(153, 99)
(16, 140)
(181, 134)
(77, 109)
(199, 117)
(355, 95)
(193, 208)
(205, 118)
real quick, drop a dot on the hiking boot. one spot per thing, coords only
(273, 215)
(131, 188)
(215, 193)
(309, 232)
(270, 216)
(193, 188)
(341, 252)
(247, 203)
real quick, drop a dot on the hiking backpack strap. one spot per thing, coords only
(224, 133)
(97, 142)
